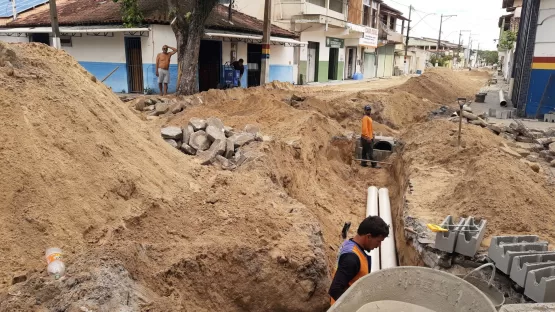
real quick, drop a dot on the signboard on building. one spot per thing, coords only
(369, 38)
(335, 42)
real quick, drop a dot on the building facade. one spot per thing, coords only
(533, 92)
(346, 39)
(128, 56)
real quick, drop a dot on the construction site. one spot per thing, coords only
(156, 212)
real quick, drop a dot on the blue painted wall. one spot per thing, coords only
(283, 73)
(538, 80)
(118, 80)
(151, 81)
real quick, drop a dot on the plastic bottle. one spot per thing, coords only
(55, 267)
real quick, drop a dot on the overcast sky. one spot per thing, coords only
(479, 16)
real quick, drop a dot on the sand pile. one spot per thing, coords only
(444, 86)
(480, 180)
(145, 227)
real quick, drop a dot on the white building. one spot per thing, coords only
(346, 39)
(92, 32)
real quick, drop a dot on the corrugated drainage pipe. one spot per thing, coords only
(388, 255)
(372, 210)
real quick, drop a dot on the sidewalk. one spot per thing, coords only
(492, 101)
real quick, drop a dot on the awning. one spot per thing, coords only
(249, 38)
(72, 30)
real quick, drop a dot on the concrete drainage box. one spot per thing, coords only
(503, 249)
(524, 264)
(470, 237)
(445, 241)
(540, 285)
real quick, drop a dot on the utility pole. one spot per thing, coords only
(460, 43)
(407, 42)
(14, 10)
(265, 70)
(55, 28)
(440, 25)
(229, 17)
(478, 55)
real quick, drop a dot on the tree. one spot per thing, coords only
(507, 40)
(189, 17)
(490, 57)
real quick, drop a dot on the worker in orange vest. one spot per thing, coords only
(352, 261)
(367, 138)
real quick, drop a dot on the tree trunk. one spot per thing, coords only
(189, 31)
(189, 48)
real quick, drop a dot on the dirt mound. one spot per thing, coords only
(84, 173)
(444, 86)
(478, 180)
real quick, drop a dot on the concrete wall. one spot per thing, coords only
(318, 34)
(543, 66)
(13, 39)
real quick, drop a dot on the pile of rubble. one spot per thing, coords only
(211, 141)
(157, 106)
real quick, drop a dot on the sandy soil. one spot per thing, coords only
(147, 228)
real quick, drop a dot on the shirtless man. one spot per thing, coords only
(162, 68)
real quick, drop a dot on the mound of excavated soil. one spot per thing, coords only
(444, 86)
(145, 227)
(478, 180)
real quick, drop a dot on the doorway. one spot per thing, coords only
(351, 61)
(334, 64)
(369, 65)
(209, 64)
(42, 38)
(313, 59)
(254, 63)
(134, 65)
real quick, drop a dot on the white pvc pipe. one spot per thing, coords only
(372, 210)
(388, 256)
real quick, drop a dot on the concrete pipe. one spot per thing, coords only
(388, 254)
(415, 289)
(502, 100)
(372, 210)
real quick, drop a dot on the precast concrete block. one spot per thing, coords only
(540, 285)
(498, 241)
(504, 255)
(445, 241)
(470, 237)
(524, 264)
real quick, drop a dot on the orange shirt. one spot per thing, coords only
(367, 129)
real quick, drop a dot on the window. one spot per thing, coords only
(366, 21)
(66, 41)
(321, 3)
(335, 5)
(392, 23)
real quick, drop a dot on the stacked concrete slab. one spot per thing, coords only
(540, 285)
(524, 264)
(528, 262)
(464, 237)
(470, 237)
(503, 249)
(445, 241)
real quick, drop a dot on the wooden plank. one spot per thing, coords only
(355, 12)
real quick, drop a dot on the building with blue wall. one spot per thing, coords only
(128, 56)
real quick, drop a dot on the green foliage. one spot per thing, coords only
(131, 13)
(441, 60)
(507, 41)
(490, 57)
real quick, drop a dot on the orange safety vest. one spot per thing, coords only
(367, 128)
(349, 246)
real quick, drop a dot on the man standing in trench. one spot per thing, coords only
(162, 68)
(367, 138)
(352, 261)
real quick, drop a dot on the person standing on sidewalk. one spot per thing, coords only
(367, 138)
(163, 68)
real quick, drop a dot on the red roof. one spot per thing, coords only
(107, 12)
